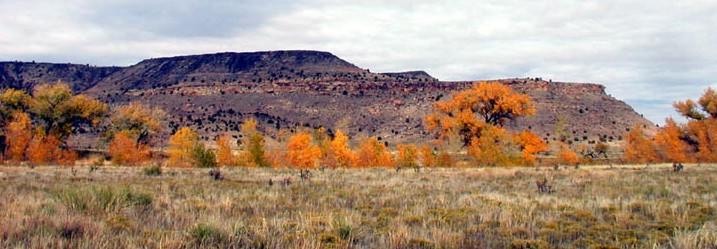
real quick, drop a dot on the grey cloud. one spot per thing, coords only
(189, 18)
(648, 53)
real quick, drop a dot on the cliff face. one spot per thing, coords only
(294, 89)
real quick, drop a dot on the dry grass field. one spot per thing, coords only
(590, 207)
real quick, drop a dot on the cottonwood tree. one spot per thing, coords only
(701, 130)
(19, 134)
(301, 152)
(339, 153)
(407, 155)
(373, 153)
(494, 147)
(181, 146)
(669, 143)
(639, 148)
(141, 120)
(530, 144)
(468, 112)
(225, 157)
(254, 146)
(125, 150)
(567, 155)
(60, 113)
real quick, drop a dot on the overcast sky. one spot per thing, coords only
(647, 53)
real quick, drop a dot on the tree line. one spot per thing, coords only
(692, 142)
(470, 125)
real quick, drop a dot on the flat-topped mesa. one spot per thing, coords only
(227, 68)
(25, 75)
(293, 90)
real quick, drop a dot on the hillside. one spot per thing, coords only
(293, 89)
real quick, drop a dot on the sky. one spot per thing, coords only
(647, 53)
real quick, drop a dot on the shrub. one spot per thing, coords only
(529, 244)
(206, 235)
(154, 170)
(203, 157)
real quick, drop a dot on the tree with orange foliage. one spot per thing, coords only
(639, 148)
(373, 153)
(567, 156)
(45, 149)
(339, 153)
(468, 112)
(407, 156)
(426, 156)
(181, 146)
(668, 142)
(125, 150)
(19, 134)
(701, 131)
(301, 152)
(495, 147)
(225, 157)
(530, 144)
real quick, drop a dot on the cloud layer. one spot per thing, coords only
(648, 53)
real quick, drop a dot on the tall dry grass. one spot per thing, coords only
(591, 207)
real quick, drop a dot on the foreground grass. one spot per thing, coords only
(592, 207)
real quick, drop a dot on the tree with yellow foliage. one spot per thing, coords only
(181, 146)
(141, 120)
(373, 153)
(225, 157)
(530, 144)
(19, 134)
(639, 148)
(669, 144)
(407, 156)
(59, 112)
(301, 152)
(339, 153)
(254, 146)
(468, 112)
(426, 156)
(495, 147)
(125, 150)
